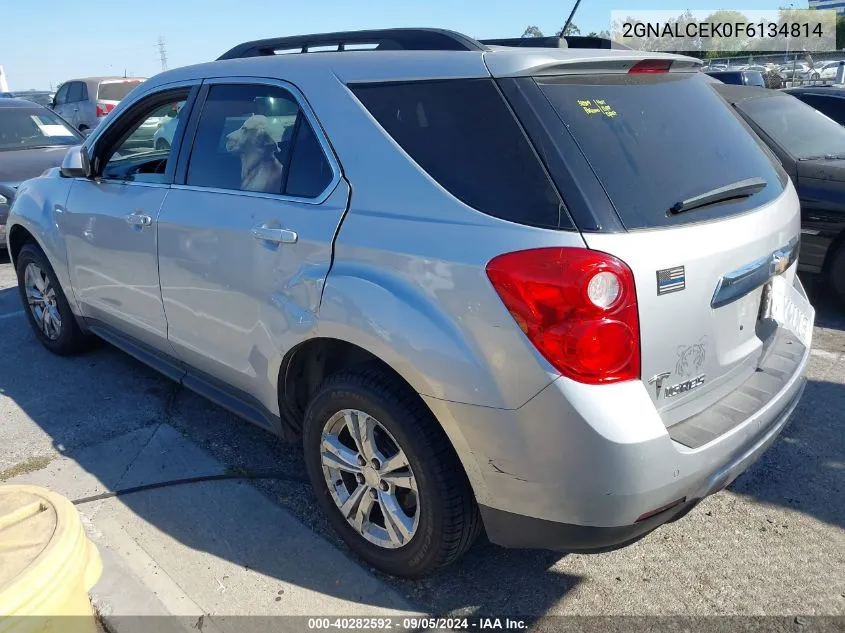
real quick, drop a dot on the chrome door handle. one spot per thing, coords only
(277, 236)
(139, 219)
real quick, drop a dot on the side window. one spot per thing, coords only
(61, 95)
(140, 149)
(829, 106)
(83, 91)
(250, 138)
(310, 172)
(463, 135)
(74, 92)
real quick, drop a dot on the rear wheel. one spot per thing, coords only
(47, 309)
(385, 474)
(162, 145)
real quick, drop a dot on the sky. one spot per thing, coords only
(54, 42)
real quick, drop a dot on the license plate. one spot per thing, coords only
(792, 310)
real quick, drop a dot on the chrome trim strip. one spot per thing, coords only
(738, 283)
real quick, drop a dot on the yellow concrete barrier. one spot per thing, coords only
(47, 564)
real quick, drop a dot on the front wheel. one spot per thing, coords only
(386, 475)
(47, 309)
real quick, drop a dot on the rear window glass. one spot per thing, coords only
(656, 140)
(463, 135)
(799, 129)
(115, 90)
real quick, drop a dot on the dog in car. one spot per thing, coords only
(254, 143)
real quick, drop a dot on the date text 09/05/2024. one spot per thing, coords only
(416, 623)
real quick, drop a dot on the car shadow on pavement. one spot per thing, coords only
(123, 423)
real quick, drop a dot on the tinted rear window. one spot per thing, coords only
(799, 129)
(115, 91)
(463, 135)
(655, 140)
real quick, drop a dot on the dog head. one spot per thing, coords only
(254, 136)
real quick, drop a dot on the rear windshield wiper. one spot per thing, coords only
(740, 189)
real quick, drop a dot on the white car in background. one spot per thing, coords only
(166, 128)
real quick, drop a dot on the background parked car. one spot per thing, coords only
(41, 97)
(32, 139)
(85, 102)
(739, 77)
(811, 148)
(829, 100)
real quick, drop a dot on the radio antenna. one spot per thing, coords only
(569, 19)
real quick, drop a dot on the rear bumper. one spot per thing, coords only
(519, 531)
(576, 467)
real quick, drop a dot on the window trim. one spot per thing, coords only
(115, 128)
(180, 182)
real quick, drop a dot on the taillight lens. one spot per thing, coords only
(578, 308)
(104, 108)
(651, 66)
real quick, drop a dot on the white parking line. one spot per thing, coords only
(11, 314)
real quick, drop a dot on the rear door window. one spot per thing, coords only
(462, 133)
(656, 140)
(74, 92)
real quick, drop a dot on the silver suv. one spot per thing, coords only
(86, 102)
(548, 293)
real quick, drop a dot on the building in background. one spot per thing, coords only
(839, 5)
(4, 85)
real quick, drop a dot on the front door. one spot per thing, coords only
(245, 243)
(109, 224)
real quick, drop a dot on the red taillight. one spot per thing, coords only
(651, 66)
(104, 108)
(578, 307)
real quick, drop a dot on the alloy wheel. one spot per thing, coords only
(42, 301)
(370, 479)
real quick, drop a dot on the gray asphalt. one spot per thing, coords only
(772, 544)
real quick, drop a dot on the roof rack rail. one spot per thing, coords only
(570, 41)
(383, 39)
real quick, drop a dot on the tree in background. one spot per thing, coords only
(572, 29)
(605, 34)
(532, 31)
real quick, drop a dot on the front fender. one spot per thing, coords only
(37, 204)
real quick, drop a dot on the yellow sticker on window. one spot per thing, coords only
(597, 106)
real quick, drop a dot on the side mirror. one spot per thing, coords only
(76, 163)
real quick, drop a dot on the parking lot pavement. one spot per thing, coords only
(773, 543)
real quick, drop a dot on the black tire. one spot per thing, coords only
(162, 145)
(449, 521)
(70, 339)
(836, 274)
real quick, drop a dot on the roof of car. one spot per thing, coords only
(97, 80)
(6, 102)
(373, 66)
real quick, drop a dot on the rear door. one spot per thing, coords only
(654, 141)
(245, 242)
